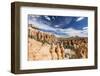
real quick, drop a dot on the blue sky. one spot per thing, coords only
(61, 26)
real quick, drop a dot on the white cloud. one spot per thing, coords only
(41, 25)
(69, 32)
(79, 19)
(56, 25)
(85, 28)
(33, 19)
(47, 18)
(73, 32)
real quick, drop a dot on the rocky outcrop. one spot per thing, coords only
(45, 46)
(39, 35)
(40, 51)
(41, 46)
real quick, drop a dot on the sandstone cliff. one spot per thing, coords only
(45, 46)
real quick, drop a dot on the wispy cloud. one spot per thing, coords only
(85, 28)
(79, 19)
(73, 32)
(59, 32)
(41, 25)
(56, 26)
(47, 18)
(69, 32)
